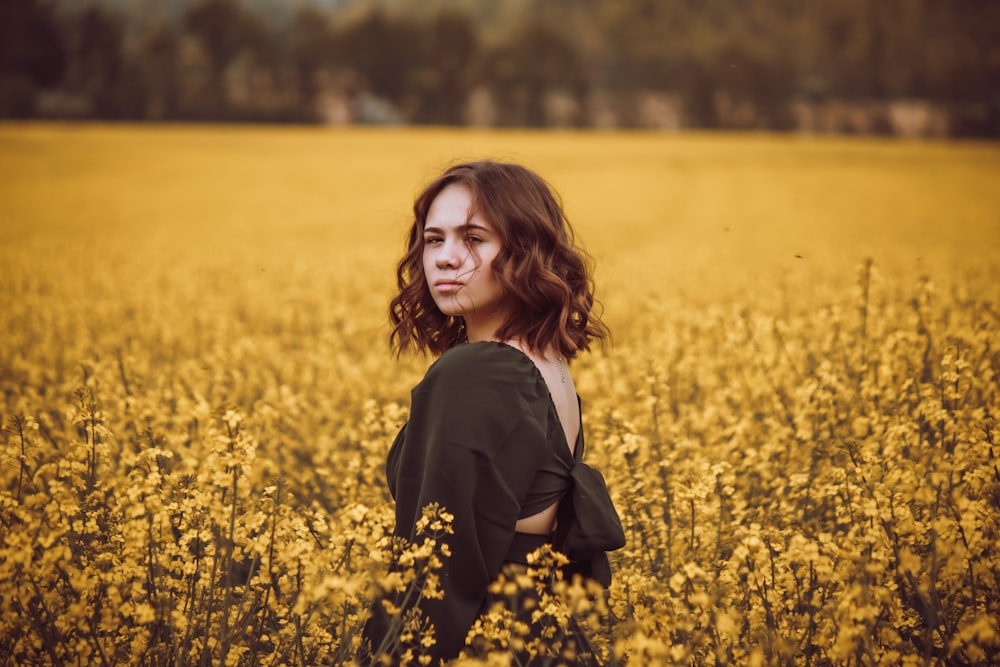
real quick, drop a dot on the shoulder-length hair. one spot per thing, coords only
(545, 279)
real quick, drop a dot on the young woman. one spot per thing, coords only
(491, 282)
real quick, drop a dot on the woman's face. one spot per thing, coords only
(458, 263)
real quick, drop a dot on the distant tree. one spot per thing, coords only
(640, 39)
(224, 29)
(536, 61)
(662, 46)
(32, 55)
(99, 71)
(742, 63)
(962, 63)
(160, 61)
(384, 52)
(440, 87)
(310, 48)
(754, 66)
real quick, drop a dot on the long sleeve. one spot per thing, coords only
(476, 433)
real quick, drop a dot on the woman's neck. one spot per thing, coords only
(479, 330)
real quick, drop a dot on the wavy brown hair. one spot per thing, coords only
(546, 280)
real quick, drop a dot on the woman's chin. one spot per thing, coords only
(450, 308)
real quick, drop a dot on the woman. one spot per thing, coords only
(492, 283)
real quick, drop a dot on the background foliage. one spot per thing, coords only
(796, 420)
(924, 67)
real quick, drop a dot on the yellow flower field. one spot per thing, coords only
(797, 417)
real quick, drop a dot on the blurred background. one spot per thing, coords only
(886, 67)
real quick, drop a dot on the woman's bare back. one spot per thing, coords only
(557, 378)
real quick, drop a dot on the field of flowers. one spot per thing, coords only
(797, 417)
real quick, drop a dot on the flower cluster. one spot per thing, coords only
(826, 488)
(195, 421)
(537, 616)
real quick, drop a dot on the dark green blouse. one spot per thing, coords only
(485, 442)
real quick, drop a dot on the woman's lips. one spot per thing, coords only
(447, 286)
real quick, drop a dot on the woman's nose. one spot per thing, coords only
(449, 255)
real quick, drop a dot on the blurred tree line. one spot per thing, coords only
(891, 66)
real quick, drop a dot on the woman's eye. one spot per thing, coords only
(473, 239)
(432, 240)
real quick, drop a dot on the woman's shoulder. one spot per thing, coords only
(476, 395)
(484, 367)
(485, 356)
